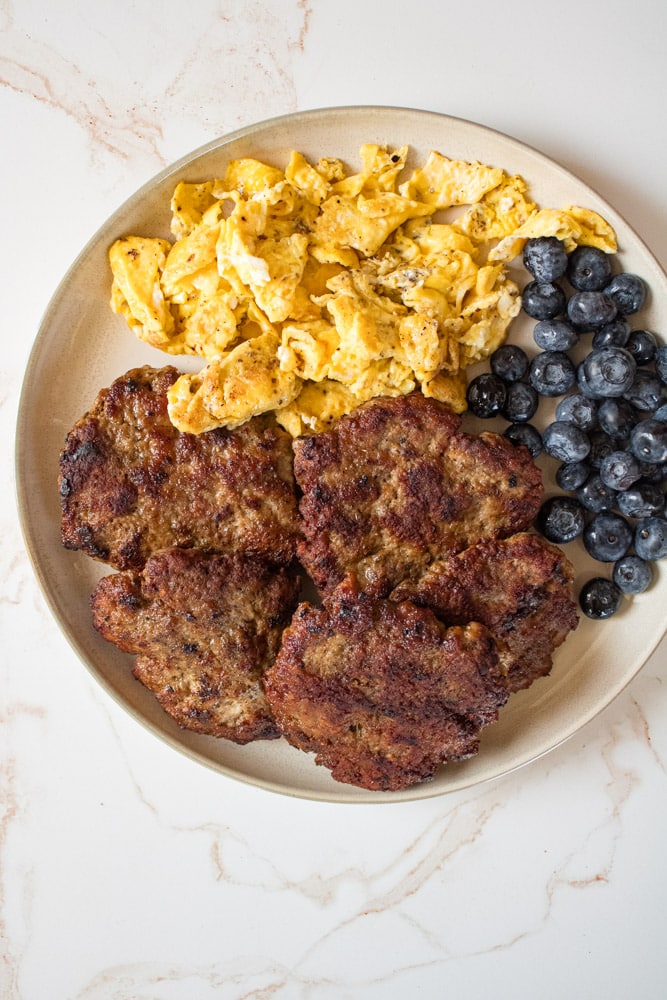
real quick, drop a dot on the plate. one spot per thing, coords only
(81, 347)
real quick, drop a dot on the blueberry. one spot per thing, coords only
(579, 410)
(644, 499)
(545, 258)
(526, 434)
(588, 269)
(617, 417)
(661, 363)
(642, 345)
(632, 575)
(607, 536)
(509, 363)
(614, 334)
(600, 598)
(590, 310)
(647, 392)
(609, 371)
(595, 496)
(654, 472)
(560, 519)
(555, 335)
(648, 440)
(552, 373)
(572, 475)
(601, 446)
(543, 299)
(486, 395)
(566, 442)
(582, 382)
(651, 538)
(661, 413)
(521, 402)
(628, 293)
(619, 470)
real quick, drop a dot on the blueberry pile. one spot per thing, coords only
(609, 434)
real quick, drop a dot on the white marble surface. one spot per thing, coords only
(126, 870)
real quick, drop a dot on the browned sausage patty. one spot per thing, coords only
(396, 484)
(204, 628)
(382, 692)
(131, 484)
(520, 588)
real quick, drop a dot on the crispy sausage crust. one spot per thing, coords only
(382, 692)
(204, 628)
(520, 588)
(396, 484)
(131, 484)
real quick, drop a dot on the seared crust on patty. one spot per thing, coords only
(382, 692)
(520, 588)
(396, 484)
(205, 628)
(131, 484)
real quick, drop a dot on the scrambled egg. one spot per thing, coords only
(310, 290)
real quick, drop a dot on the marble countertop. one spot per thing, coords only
(129, 872)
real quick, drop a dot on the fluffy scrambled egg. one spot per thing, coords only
(310, 290)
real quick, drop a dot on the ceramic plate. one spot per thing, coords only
(81, 347)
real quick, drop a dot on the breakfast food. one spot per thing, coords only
(312, 289)
(380, 691)
(609, 435)
(336, 315)
(204, 628)
(397, 484)
(130, 483)
(520, 588)
(417, 644)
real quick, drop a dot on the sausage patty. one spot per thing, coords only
(382, 692)
(396, 484)
(520, 588)
(131, 484)
(204, 628)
